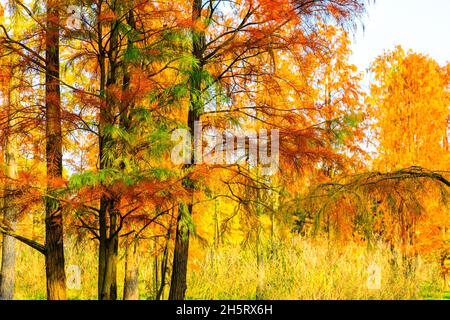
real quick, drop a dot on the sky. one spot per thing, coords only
(423, 26)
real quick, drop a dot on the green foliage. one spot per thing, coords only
(132, 54)
(92, 179)
(108, 177)
(116, 132)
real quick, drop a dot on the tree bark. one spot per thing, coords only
(108, 251)
(54, 255)
(164, 262)
(181, 251)
(178, 285)
(109, 212)
(10, 213)
(131, 283)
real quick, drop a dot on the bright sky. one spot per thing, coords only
(423, 26)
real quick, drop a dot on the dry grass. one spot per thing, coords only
(307, 270)
(302, 269)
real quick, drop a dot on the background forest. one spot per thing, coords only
(93, 207)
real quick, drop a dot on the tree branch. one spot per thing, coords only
(31, 243)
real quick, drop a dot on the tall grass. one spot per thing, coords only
(312, 270)
(301, 269)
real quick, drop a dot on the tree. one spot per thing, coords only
(54, 243)
(409, 100)
(133, 51)
(409, 104)
(231, 52)
(49, 65)
(10, 211)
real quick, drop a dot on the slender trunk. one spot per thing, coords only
(131, 283)
(164, 262)
(10, 214)
(216, 226)
(54, 255)
(178, 285)
(260, 287)
(108, 251)
(272, 235)
(155, 270)
(180, 259)
(410, 256)
(446, 137)
(216, 239)
(103, 241)
(109, 213)
(103, 244)
(445, 259)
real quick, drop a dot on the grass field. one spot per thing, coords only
(301, 269)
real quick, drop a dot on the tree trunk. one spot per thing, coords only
(10, 214)
(131, 283)
(180, 259)
(54, 255)
(155, 270)
(8, 257)
(108, 212)
(260, 286)
(108, 271)
(178, 284)
(165, 259)
(108, 252)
